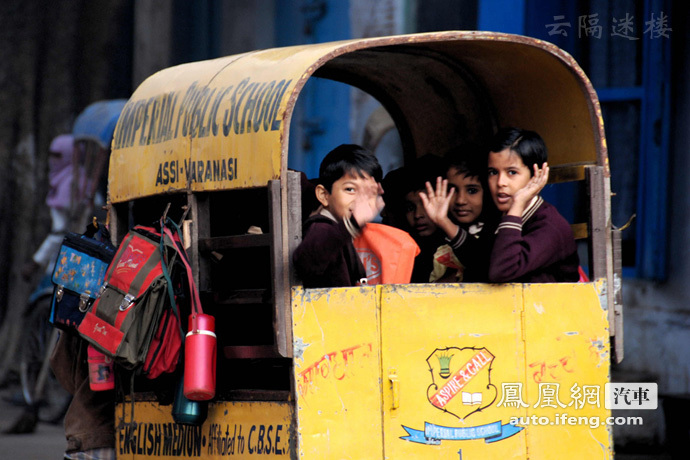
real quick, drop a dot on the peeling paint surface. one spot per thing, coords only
(617, 284)
(337, 376)
(539, 308)
(600, 351)
(299, 347)
(566, 349)
(603, 295)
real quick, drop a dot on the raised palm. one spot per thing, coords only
(437, 202)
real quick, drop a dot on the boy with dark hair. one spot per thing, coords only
(534, 243)
(458, 205)
(349, 194)
(416, 220)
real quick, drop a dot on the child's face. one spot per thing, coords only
(469, 193)
(342, 196)
(507, 175)
(416, 217)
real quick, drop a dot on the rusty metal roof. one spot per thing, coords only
(224, 123)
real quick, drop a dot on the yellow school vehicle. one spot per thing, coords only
(416, 371)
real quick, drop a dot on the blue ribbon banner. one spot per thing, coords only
(434, 434)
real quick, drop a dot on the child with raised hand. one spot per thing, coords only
(457, 205)
(533, 243)
(349, 193)
(405, 210)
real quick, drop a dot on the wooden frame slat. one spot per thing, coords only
(600, 249)
(280, 299)
(219, 243)
(118, 222)
(618, 293)
(200, 231)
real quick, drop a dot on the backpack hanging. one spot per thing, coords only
(164, 351)
(387, 253)
(78, 275)
(135, 302)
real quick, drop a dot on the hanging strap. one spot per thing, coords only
(195, 299)
(168, 279)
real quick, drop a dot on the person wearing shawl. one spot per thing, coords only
(88, 422)
(60, 176)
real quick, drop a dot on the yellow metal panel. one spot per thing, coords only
(450, 347)
(202, 127)
(483, 371)
(567, 352)
(337, 362)
(209, 125)
(240, 430)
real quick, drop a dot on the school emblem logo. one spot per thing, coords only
(461, 380)
(460, 386)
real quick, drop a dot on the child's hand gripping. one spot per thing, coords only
(368, 202)
(522, 197)
(437, 203)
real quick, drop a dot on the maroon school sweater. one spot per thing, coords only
(326, 256)
(473, 250)
(537, 248)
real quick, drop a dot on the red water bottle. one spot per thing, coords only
(101, 377)
(200, 358)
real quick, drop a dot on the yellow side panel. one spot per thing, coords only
(567, 357)
(240, 430)
(337, 373)
(466, 371)
(449, 347)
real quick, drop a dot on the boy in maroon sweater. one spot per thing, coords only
(405, 207)
(349, 193)
(460, 206)
(533, 243)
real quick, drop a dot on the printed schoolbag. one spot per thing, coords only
(136, 307)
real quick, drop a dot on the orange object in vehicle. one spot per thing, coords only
(387, 254)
